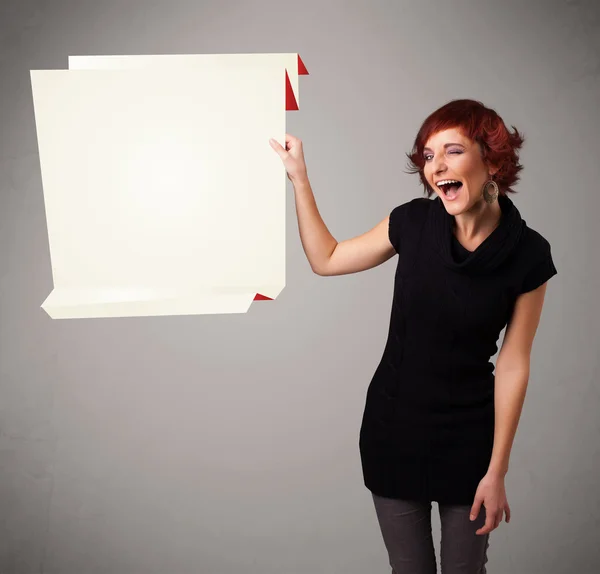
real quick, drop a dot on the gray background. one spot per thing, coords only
(221, 444)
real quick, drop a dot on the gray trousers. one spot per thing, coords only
(406, 529)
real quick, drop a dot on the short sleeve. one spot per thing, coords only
(404, 217)
(539, 274)
(395, 225)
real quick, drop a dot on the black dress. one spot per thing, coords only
(428, 424)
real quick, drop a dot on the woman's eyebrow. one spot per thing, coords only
(445, 146)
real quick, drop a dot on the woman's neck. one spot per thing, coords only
(477, 223)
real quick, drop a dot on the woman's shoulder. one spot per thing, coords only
(405, 220)
(536, 261)
(412, 210)
(533, 244)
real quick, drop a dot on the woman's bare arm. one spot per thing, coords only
(325, 255)
(329, 257)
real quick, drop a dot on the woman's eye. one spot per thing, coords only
(428, 156)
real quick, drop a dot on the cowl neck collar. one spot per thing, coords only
(491, 253)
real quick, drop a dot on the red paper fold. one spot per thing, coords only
(259, 297)
(291, 105)
(302, 71)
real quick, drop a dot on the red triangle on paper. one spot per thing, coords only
(290, 99)
(259, 297)
(302, 71)
(291, 105)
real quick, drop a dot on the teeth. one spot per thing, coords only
(447, 181)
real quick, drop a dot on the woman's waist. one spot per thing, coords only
(443, 366)
(465, 373)
(432, 394)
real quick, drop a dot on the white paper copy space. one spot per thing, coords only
(162, 193)
(209, 62)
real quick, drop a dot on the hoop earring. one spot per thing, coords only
(490, 195)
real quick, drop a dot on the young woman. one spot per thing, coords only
(439, 423)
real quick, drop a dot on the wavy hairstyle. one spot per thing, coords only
(499, 146)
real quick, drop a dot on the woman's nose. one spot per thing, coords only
(438, 166)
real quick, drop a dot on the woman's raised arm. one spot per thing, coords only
(325, 254)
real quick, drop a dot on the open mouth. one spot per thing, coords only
(449, 187)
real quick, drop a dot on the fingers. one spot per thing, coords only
(493, 520)
(498, 518)
(475, 508)
(290, 139)
(278, 148)
(292, 157)
(489, 523)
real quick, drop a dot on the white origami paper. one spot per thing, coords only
(208, 63)
(162, 193)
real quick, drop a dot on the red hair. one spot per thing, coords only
(499, 147)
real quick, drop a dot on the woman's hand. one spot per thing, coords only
(492, 494)
(292, 157)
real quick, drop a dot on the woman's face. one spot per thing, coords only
(451, 157)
